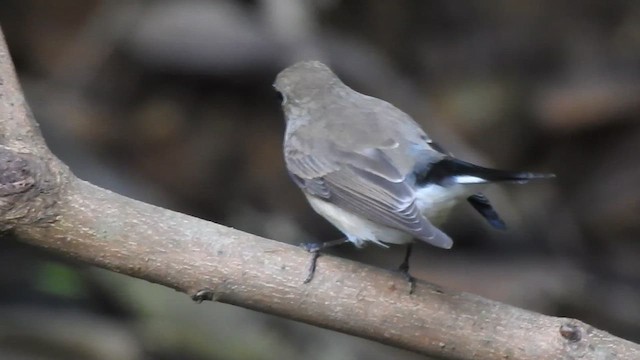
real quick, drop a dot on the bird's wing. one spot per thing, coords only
(366, 183)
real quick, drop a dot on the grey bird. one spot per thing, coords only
(368, 167)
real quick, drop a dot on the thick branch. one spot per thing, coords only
(45, 205)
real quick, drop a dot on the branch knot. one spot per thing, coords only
(26, 189)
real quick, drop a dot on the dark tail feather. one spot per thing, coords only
(483, 206)
(456, 171)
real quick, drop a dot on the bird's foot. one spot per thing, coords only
(314, 249)
(403, 269)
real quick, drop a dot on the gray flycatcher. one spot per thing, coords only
(368, 167)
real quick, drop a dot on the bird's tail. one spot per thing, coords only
(454, 171)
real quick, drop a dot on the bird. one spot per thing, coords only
(370, 170)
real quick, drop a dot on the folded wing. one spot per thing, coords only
(366, 183)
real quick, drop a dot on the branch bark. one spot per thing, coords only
(44, 204)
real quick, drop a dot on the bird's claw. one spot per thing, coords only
(404, 271)
(312, 266)
(412, 283)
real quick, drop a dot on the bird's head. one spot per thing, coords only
(304, 82)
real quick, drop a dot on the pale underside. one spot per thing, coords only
(434, 203)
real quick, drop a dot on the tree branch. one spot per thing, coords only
(44, 204)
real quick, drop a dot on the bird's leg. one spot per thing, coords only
(314, 249)
(404, 269)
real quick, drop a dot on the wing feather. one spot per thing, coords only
(366, 183)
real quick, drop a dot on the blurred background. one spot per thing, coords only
(170, 102)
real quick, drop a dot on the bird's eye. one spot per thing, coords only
(281, 97)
